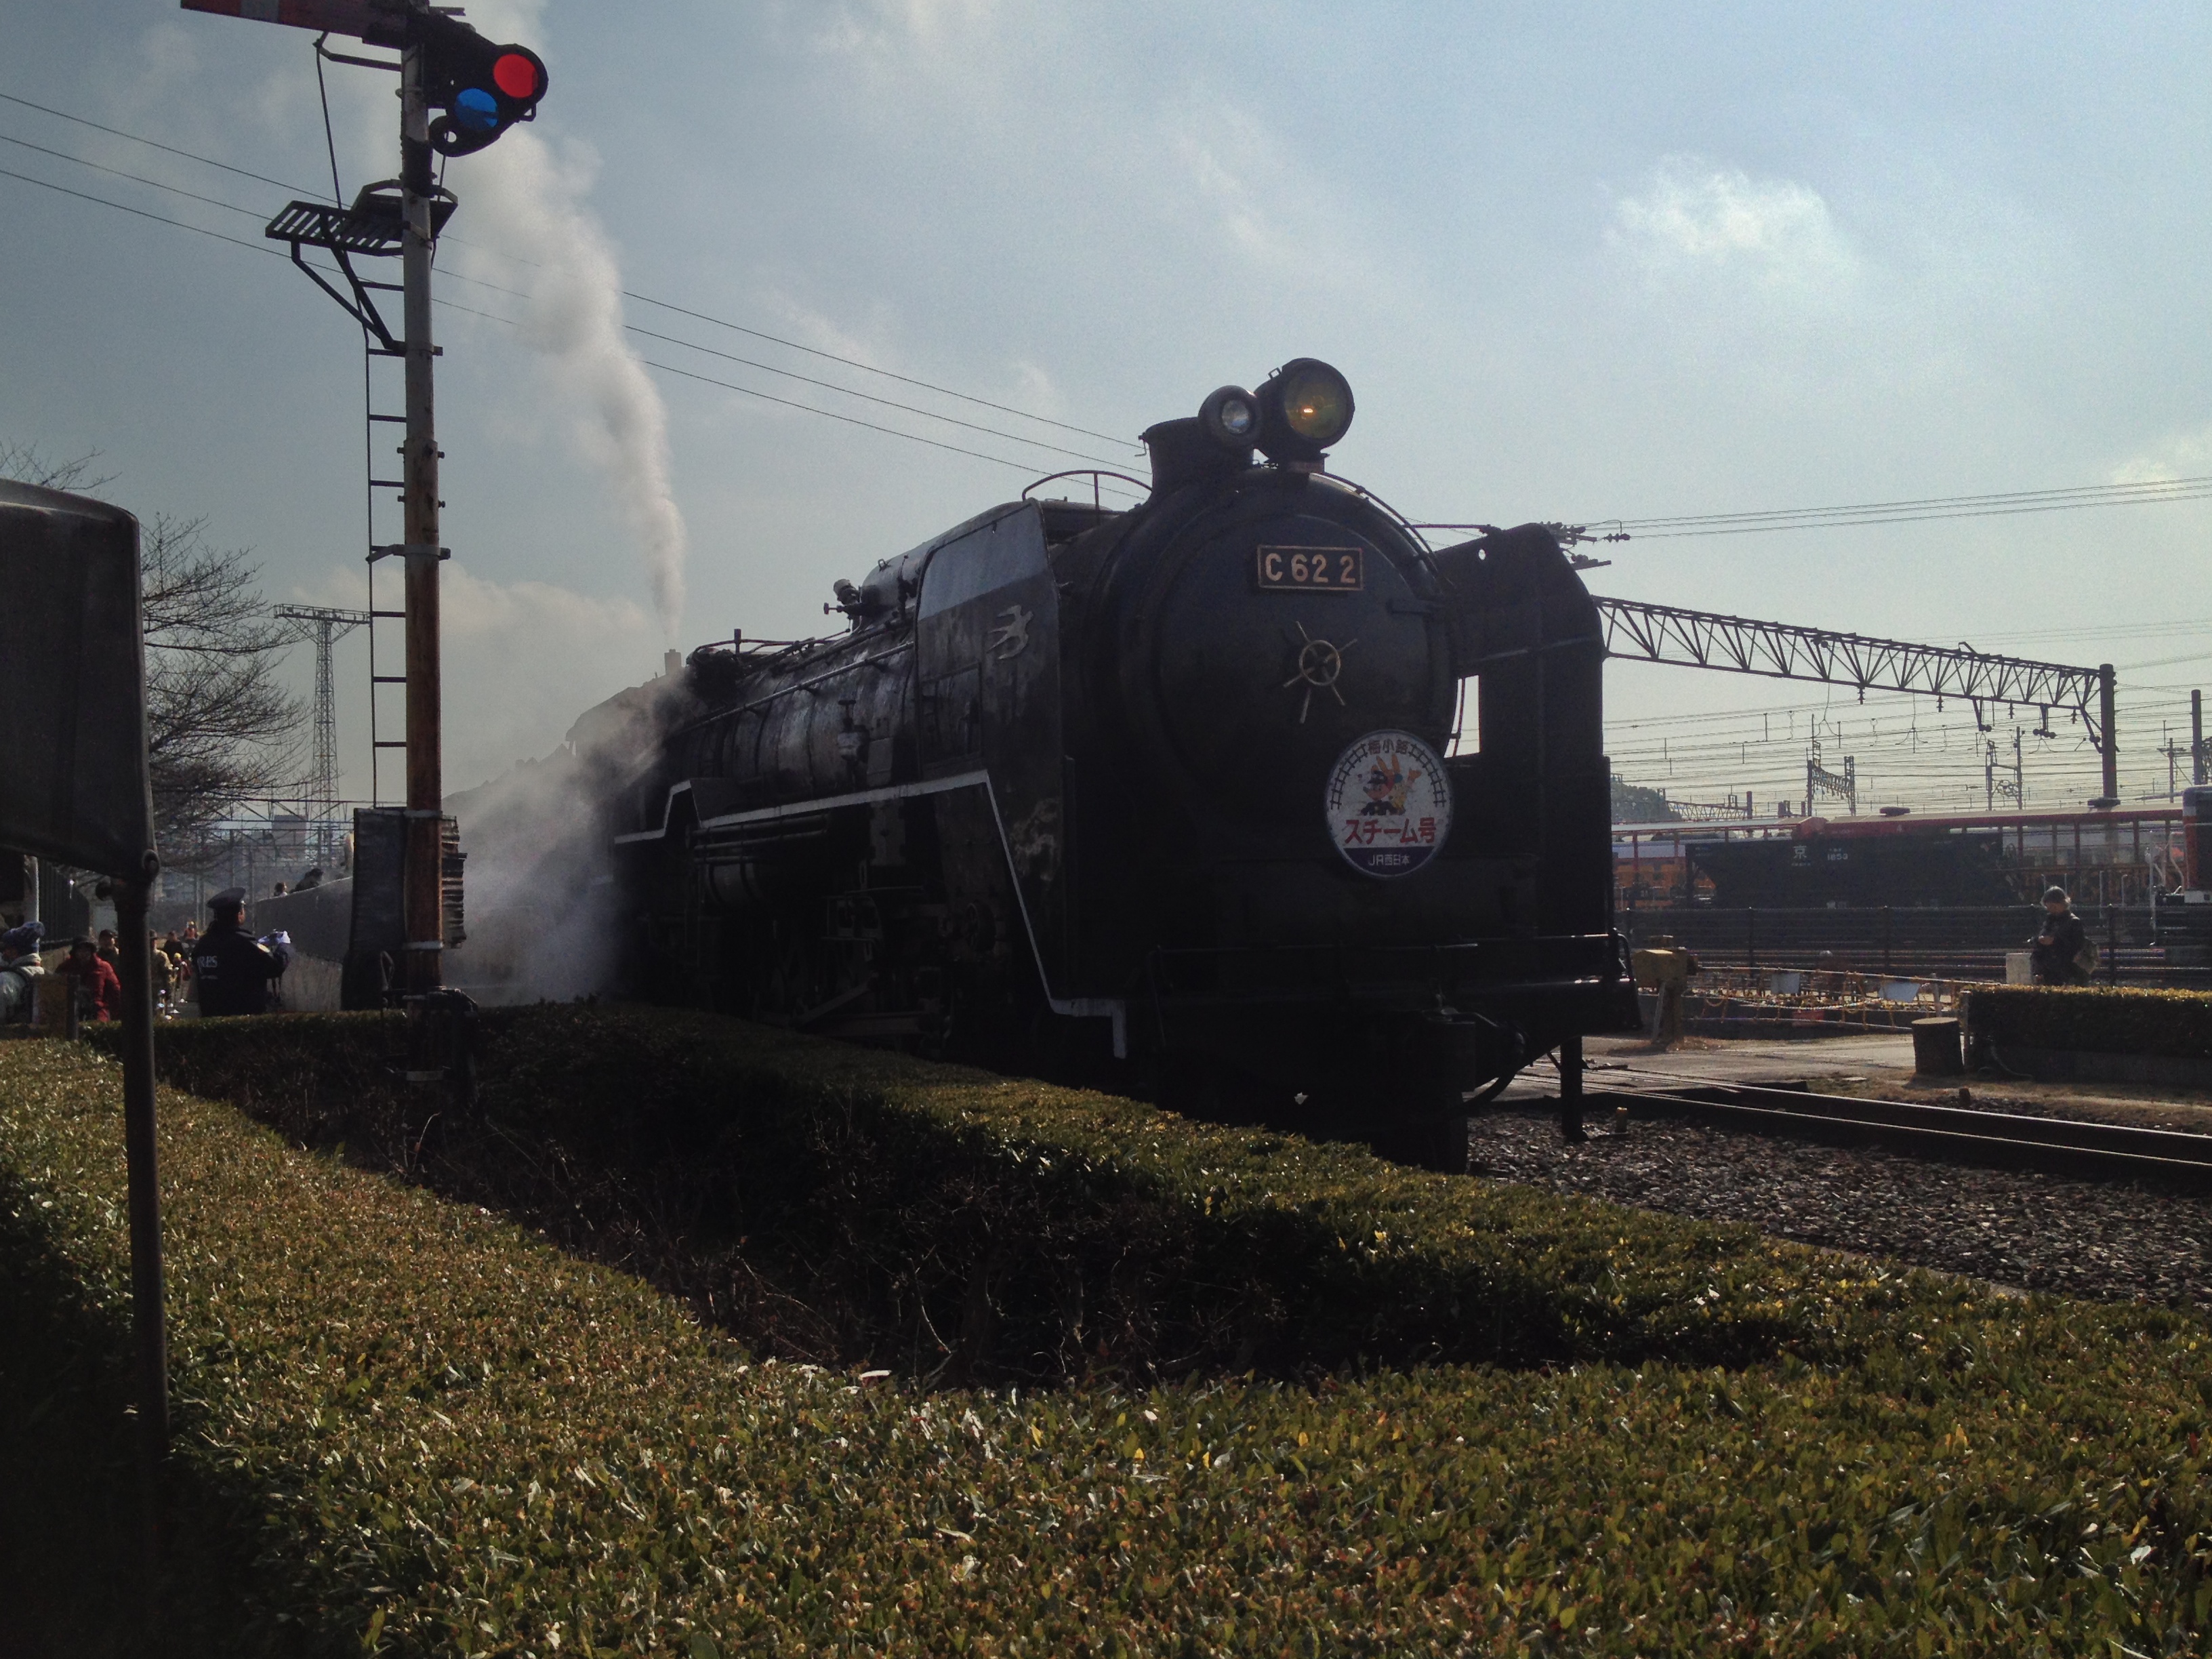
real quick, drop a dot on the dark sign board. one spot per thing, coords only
(73, 717)
(383, 22)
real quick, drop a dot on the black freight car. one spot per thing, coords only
(1177, 784)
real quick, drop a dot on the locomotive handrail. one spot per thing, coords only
(1093, 473)
(808, 806)
(808, 684)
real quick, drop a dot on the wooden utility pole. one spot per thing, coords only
(424, 902)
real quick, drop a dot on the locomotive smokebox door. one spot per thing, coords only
(1267, 639)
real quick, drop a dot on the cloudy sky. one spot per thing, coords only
(1578, 263)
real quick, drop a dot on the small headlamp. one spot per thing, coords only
(1231, 419)
(1304, 407)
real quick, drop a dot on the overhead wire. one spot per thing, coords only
(1663, 527)
(99, 166)
(1926, 509)
(330, 139)
(950, 420)
(156, 143)
(1026, 467)
(854, 362)
(122, 207)
(849, 420)
(629, 294)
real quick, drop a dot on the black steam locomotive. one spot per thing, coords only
(1179, 784)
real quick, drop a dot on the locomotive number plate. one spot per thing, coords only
(1311, 569)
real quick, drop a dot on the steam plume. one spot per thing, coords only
(544, 916)
(526, 202)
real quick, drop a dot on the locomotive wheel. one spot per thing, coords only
(1437, 1141)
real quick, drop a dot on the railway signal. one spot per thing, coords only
(483, 88)
(478, 89)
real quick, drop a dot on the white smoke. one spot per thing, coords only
(527, 202)
(544, 915)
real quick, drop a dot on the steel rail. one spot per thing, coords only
(2065, 1147)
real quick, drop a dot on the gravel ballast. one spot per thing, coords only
(2013, 1228)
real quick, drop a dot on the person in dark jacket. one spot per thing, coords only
(2061, 954)
(92, 981)
(231, 970)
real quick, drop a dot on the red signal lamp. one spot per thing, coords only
(482, 86)
(519, 76)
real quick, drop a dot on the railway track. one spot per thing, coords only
(2089, 1151)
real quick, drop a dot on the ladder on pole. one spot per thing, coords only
(378, 423)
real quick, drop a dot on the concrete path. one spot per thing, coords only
(1628, 1062)
(1877, 1065)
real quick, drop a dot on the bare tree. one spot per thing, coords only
(23, 463)
(219, 728)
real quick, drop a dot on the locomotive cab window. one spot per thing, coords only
(1466, 719)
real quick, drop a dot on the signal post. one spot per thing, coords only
(478, 89)
(424, 901)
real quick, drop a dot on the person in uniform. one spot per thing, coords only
(2062, 954)
(231, 970)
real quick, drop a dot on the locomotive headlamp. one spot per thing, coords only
(1304, 407)
(1231, 419)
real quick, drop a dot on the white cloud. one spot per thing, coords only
(1251, 189)
(882, 28)
(2178, 455)
(1696, 219)
(813, 327)
(521, 660)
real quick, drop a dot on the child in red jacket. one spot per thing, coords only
(91, 980)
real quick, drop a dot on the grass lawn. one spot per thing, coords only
(1151, 1387)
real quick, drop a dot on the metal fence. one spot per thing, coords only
(1949, 943)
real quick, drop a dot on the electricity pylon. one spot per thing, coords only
(326, 624)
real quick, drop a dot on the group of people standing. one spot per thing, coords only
(225, 970)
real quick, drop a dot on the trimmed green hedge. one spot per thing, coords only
(851, 1206)
(2096, 1020)
(417, 1429)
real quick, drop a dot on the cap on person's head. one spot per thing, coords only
(81, 943)
(231, 899)
(2055, 896)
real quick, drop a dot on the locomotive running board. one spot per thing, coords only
(1110, 1008)
(798, 809)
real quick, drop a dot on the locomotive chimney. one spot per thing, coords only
(1183, 451)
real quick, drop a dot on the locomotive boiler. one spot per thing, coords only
(1245, 793)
